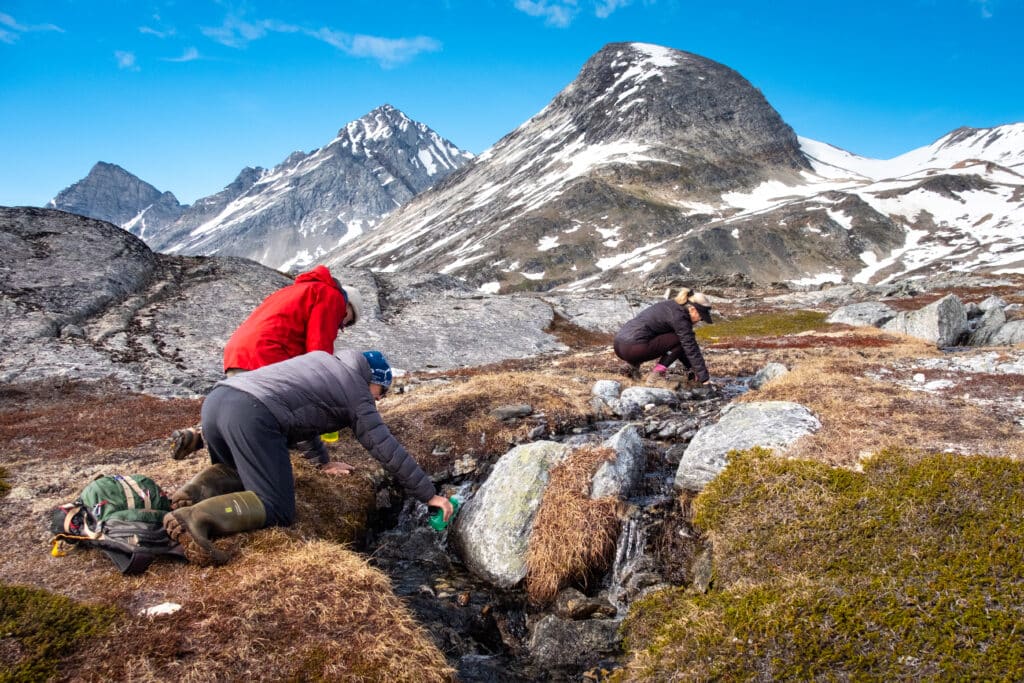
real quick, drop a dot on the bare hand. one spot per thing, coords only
(444, 504)
(337, 467)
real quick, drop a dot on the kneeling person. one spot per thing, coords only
(249, 421)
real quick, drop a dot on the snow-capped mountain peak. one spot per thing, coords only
(290, 216)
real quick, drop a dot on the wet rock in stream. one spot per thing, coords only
(492, 633)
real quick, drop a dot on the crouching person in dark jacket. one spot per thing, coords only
(248, 422)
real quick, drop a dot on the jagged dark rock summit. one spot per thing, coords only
(110, 193)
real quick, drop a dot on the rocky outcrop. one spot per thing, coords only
(941, 323)
(492, 530)
(769, 424)
(84, 299)
(1009, 334)
(867, 313)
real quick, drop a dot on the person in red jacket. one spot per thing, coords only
(304, 316)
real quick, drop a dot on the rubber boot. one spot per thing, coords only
(185, 442)
(194, 526)
(213, 481)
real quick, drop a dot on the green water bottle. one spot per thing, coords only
(437, 522)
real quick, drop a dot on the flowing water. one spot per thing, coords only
(484, 631)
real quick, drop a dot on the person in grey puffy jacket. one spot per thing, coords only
(250, 419)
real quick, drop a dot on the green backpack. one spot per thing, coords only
(122, 516)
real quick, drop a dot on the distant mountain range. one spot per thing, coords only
(653, 165)
(290, 216)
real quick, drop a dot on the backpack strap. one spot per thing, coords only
(130, 485)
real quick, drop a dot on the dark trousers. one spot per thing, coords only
(665, 347)
(241, 433)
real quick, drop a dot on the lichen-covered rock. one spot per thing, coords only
(769, 424)
(1009, 334)
(83, 299)
(767, 374)
(607, 390)
(992, 302)
(941, 322)
(492, 530)
(867, 313)
(632, 401)
(619, 476)
(991, 321)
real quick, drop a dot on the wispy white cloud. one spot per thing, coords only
(987, 7)
(388, 52)
(11, 30)
(558, 13)
(237, 32)
(605, 8)
(125, 60)
(149, 30)
(561, 13)
(190, 55)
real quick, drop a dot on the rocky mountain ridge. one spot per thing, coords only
(289, 216)
(656, 164)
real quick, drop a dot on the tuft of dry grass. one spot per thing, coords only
(439, 424)
(573, 535)
(285, 609)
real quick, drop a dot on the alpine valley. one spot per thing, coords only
(653, 165)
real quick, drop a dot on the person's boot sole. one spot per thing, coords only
(185, 442)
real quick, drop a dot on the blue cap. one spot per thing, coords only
(380, 371)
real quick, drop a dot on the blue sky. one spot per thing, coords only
(185, 94)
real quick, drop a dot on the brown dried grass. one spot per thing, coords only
(59, 418)
(437, 425)
(293, 604)
(861, 416)
(285, 609)
(573, 535)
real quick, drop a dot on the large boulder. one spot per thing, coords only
(1009, 334)
(769, 424)
(991, 321)
(618, 477)
(492, 531)
(767, 374)
(865, 314)
(941, 322)
(632, 401)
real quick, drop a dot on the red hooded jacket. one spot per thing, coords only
(302, 317)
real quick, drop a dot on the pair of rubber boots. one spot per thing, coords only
(212, 504)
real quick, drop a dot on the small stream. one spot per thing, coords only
(485, 631)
